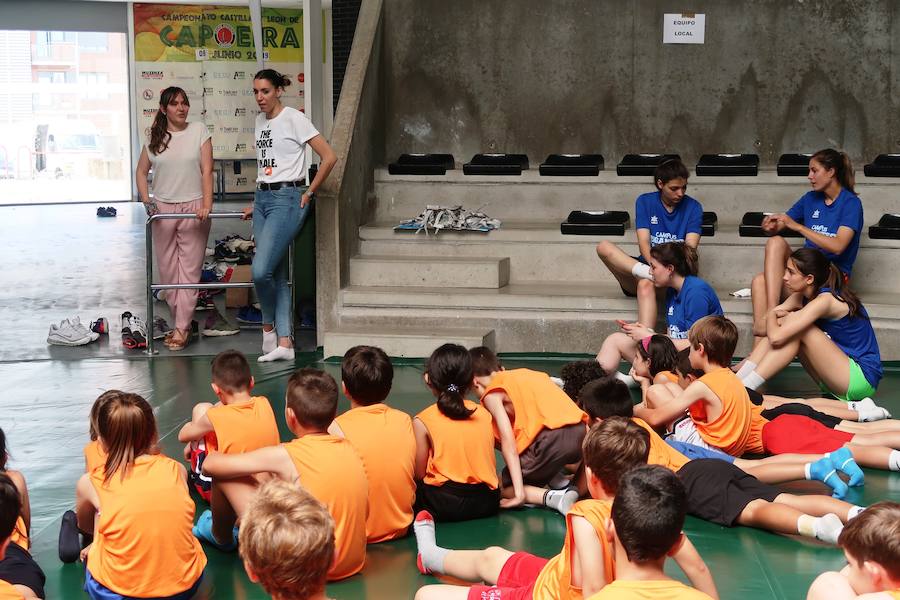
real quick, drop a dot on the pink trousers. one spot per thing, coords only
(180, 247)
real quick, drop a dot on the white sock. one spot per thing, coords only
(558, 381)
(561, 500)
(858, 405)
(828, 528)
(641, 271)
(746, 369)
(279, 353)
(868, 415)
(270, 341)
(854, 511)
(894, 460)
(626, 379)
(752, 380)
(431, 554)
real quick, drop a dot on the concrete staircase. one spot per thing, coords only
(527, 287)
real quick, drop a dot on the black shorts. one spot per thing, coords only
(550, 451)
(802, 410)
(457, 501)
(18, 568)
(755, 397)
(718, 491)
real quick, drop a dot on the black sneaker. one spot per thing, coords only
(69, 539)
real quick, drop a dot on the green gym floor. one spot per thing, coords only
(45, 412)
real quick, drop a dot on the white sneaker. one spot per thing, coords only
(66, 335)
(78, 326)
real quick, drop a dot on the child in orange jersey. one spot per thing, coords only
(586, 563)
(871, 544)
(384, 438)
(456, 468)
(287, 542)
(326, 465)
(237, 423)
(17, 567)
(536, 425)
(647, 517)
(142, 545)
(10, 509)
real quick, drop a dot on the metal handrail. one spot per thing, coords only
(151, 287)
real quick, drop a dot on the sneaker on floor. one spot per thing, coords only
(110, 211)
(160, 328)
(76, 324)
(127, 338)
(205, 301)
(103, 211)
(66, 335)
(249, 314)
(101, 326)
(218, 326)
(69, 545)
(138, 331)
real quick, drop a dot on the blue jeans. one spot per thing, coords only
(277, 218)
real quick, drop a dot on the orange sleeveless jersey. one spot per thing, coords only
(8, 592)
(538, 403)
(242, 427)
(555, 580)
(20, 534)
(332, 471)
(649, 590)
(661, 453)
(384, 439)
(144, 546)
(672, 377)
(94, 456)
(739, 428)
(461, 451)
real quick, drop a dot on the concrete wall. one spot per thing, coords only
(542, 76)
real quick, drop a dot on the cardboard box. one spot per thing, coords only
(238, 297)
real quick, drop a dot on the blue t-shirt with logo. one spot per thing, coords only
(696, 300)
(855, 336)
(811, 211)
(665, 226)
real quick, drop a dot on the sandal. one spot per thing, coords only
(178, 340)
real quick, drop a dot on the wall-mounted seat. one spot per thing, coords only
(710, 224)
(751, 226)
(727, 165)
(595, 222)
(496, 164)
(888, 228)
(642, 164)
(793, 165)
(572, 165)
(422, 164)
(884, 165)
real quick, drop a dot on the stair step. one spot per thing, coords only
(429, 271)
(405, 342)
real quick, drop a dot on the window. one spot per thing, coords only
(93, 42)
(93, 86)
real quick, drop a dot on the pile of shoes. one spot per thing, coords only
(234, 249)
(74, 333)
(134, 332)
(217, 325)
(106, 211)
(249, 314)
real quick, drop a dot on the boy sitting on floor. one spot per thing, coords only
(326, 465)
(871, 543)
(647, 517)
(586, 562)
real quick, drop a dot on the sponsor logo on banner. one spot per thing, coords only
(149, 112)
(228, 92)
(207, 91)
(151, 74)
(147, 94)
(300, 78)
(240, 75)
(240, 147)
(229, 129)
(225, 35)
(240, 181)
(240, 112)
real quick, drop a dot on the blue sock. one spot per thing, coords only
(203, 532)
(842, 460)
(822, 470)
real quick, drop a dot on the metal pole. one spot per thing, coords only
(149, 238)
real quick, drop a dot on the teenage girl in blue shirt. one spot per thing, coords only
(688, 299)
(830, 217)
(665, 215)
(825, 324)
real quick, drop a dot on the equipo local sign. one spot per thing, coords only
(684, 28)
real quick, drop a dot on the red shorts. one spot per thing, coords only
(794, 433)
(516, 579)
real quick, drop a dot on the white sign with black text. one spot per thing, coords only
(685, 28)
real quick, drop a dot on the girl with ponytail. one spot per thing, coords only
(825, 325)
(830, 217)
(688, 299)
(181, 156)
(143, 546)
(456, 469)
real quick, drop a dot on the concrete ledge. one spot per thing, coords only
(403, 341)
(429, 271)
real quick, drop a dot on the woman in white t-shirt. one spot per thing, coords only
(281, 204)
(181, 156)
